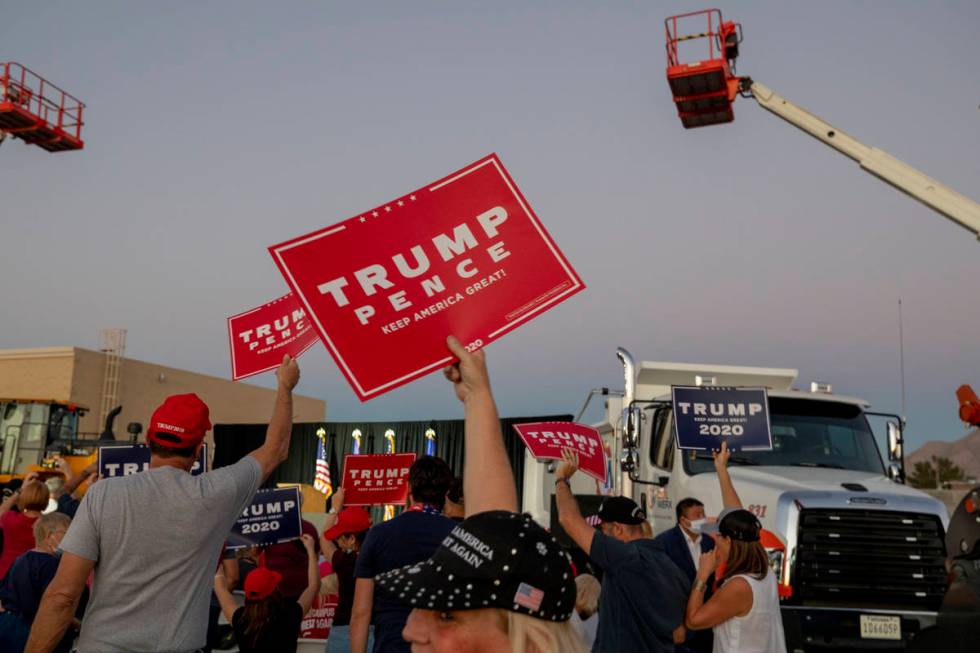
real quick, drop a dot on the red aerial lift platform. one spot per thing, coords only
(38, 112)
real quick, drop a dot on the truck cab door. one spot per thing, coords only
(660, 505)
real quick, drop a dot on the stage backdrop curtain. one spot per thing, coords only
(233, 441)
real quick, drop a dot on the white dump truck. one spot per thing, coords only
(859, 555)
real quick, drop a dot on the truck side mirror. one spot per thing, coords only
(895, 473)
(632, 418)
(895, 442)
(627, 461)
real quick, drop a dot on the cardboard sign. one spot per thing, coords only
(704, 417)
(464, 256)
(260, 337)
(272, 517)
(317, 622)
(125, 459)
(545, 440)
(376, 479)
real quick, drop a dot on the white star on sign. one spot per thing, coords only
(363, 219)
(411, 197)
(374, 213)
(401, 203)
(388, 209)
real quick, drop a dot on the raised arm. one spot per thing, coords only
(488, 480)
(312, 575)
(276, 447)
(222, 591)
(729, 497)
(336, 505)
(569, 515)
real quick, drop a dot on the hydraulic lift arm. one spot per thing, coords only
(960, 209)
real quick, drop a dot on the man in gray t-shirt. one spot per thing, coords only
(153, 539)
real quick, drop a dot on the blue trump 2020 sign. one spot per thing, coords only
(272, 517)
(704, 417)
(125, 459)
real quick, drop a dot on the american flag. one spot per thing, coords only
(321, 480)
(529, 597)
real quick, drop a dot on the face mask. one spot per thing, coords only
(696, 524)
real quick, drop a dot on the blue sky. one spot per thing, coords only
(216, 129)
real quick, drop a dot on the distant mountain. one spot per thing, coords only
(964, 452)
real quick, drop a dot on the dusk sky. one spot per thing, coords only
(216, 129)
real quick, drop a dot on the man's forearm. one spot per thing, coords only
(281, 424)
(488, 480)
(52, 620)
(358, 634)
(567, 505)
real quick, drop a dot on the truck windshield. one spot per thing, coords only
(809, 433)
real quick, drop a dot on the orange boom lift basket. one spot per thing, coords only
(38, 112)
(703, 87)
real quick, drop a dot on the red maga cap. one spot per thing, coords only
(350, 520)
(181, 421)
(260, 583)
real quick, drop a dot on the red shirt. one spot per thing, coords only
(18, 537)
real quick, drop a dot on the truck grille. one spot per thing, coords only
(870, 558)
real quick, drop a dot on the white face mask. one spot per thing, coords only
(696, 524)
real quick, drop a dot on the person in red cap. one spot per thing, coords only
(341, 541)
(268, 621)
(153, 538)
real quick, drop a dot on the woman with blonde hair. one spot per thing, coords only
(585, 619)
(18, 525)
(499, 582)
(28, 578)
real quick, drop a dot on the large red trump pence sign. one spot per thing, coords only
(260, 337)
(375, 479)
(464, 256)
(545, 440)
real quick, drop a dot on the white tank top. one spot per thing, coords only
(761, 630)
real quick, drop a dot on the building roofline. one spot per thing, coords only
(67, 352)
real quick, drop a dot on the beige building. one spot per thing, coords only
(72, 374)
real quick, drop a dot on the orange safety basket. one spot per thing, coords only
(38, 112)
(705, 88)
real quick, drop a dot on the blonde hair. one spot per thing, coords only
(530, 635)
(647, 529)
(330, 584)
(48, 524)
(587, 595)
(34, 495)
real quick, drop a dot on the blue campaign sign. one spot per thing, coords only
(704, 417)
(272, 517)
(125, 459)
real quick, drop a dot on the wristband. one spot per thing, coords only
(332, 511)
(563, 480)
(700, 585)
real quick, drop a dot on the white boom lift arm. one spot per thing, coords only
(960, 209)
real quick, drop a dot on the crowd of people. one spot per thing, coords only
(141, 562)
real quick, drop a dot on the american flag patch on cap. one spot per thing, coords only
(528, 597)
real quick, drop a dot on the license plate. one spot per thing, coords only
(880, 627)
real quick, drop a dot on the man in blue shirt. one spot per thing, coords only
(644, 594)
(409, 538)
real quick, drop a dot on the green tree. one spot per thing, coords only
(925, 474)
